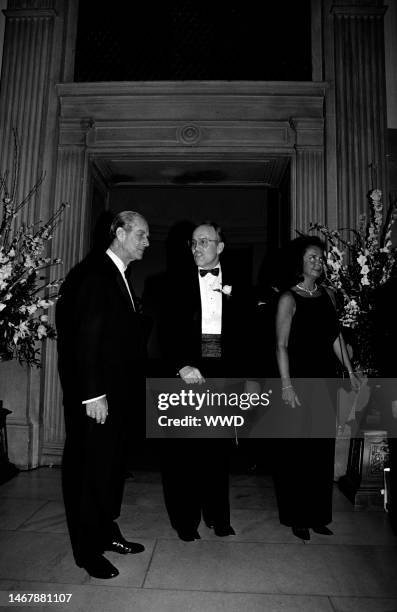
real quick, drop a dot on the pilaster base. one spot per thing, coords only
(20, 439)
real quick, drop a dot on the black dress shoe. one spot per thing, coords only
(100, 567)
(121, 546)
(301, 532)
(322, 530)
(221, 532)
(189, 536)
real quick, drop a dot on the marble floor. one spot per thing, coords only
(263, 568)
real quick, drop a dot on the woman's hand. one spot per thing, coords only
(289, 396)
(355, 381)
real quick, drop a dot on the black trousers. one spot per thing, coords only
(195, 472)
(195, 477)
(93, 473)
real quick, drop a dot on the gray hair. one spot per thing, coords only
(126, 219)
(215, 226)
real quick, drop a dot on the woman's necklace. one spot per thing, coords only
(309, 291)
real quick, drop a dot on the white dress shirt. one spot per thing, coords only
(211, 302)
(122, 268)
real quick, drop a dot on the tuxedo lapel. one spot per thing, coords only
(196, 298)
(124, 289)
(113, 270)
(227, 303)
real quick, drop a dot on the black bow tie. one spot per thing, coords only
(214, 271)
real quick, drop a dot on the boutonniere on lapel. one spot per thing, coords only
(225, 289)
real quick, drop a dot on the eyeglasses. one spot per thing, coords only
(201, 242)
(315, 258)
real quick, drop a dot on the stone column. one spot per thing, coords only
(360, 105)
(309, 188)
(71, 187)
(24, 86)
(307, 176)
(36, 55)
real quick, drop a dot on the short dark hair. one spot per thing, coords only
(125, 219)
(216, 226)
(291, 259)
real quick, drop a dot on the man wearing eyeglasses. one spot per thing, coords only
(209, 340)
(207, 245)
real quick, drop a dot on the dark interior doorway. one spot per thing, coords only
(256, 223)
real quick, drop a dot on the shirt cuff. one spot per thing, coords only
(93, 399)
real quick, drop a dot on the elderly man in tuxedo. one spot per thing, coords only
(208, 321)
(101, 353)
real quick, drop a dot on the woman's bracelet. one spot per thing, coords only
(350, 371)
(287, 387)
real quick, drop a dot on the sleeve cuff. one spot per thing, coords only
(93, 399)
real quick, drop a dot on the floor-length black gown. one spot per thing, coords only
(304, 466)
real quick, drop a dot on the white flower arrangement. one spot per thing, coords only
(356, 268)
(23, 278)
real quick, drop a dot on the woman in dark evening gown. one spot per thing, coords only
(309, 343)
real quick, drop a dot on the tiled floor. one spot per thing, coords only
(263, 568)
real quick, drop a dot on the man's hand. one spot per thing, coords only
(98, 410)
(191, 375)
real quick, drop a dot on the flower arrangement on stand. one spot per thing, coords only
(358, 263)
(25, 290)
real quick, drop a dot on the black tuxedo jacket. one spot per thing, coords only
(101, 346)
(237, 316)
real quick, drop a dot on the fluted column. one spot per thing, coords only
(24, 89)
(307, 174)
(309, 189)
(360, 105)
(69, 242)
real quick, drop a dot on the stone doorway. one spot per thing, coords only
(181, 136)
